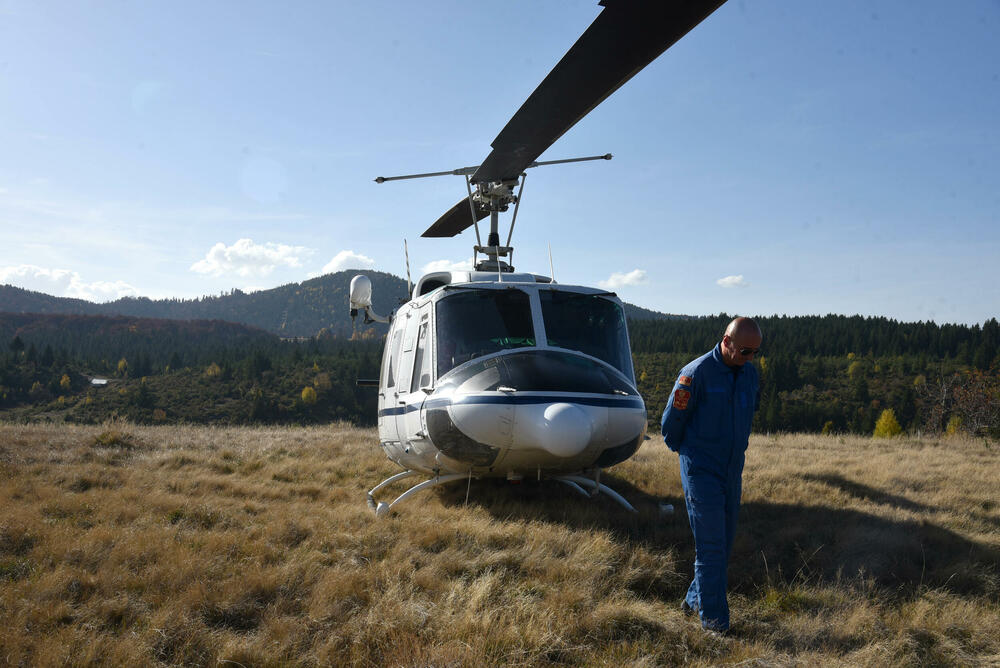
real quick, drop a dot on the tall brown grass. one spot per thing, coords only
(134, 545)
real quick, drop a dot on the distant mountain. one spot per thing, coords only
(294, 310)
(19, 300)
(633, 312)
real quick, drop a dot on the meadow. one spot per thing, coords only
(188, 545)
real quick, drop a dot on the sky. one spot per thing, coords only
(796, 158)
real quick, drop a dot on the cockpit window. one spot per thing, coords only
(473, 323)
(589, 324)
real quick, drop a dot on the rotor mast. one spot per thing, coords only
(497, 197)
(490, 198)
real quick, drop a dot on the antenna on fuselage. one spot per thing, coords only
(409, 283)
(552, 269)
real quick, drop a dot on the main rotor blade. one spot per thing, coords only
(457, 219)
(625, 37)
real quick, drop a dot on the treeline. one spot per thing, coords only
(833, 373)
(169, 371)
(830, 336)
(298, 383)
(841, 374)
(98, 343)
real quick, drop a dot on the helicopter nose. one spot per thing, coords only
(565, 430)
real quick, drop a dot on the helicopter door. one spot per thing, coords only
(410, 393)
(387, 392)
(401, 392)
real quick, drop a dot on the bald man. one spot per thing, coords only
(707, 422)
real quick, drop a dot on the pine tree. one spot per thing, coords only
(772, 415)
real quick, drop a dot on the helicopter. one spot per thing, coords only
(495, 373)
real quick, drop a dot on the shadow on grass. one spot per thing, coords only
(552, 501)
(865, 492)
(775, 543)
(793, 543)
(874, 495)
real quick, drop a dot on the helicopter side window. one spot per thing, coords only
(589, 324)
(393, 362)
(473, 323)
(422, 362)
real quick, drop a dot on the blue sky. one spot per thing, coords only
(783, 158)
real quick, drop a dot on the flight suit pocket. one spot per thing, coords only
(711, 414)
(745, 401)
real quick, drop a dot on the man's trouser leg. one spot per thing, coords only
(705, 497)
(734, 494)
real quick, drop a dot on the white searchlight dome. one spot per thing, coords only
(565, 430)
(361, 292)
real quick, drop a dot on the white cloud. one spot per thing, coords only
(732, 282)
(64, 283)
(345, 259)
(100, 291)
(39, 279)
(245, 258)
(446, 265)
(619, 280)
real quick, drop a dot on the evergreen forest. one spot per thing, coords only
(840, 374)
(828, 374)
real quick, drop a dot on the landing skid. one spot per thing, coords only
(381, 508)
(596, 487)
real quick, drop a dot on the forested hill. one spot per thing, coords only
(633, 312)
(294, 310)
(204, 371)
(316, 306)
(19, 300)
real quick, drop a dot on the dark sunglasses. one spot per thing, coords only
(747, 352)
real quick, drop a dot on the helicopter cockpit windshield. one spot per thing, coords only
(589, 324)
(473, 323)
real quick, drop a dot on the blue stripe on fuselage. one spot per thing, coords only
(442, 402)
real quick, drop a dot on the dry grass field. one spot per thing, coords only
(129, 545)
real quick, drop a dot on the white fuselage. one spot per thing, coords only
(508, 378)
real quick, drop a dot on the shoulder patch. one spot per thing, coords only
(681, 398)
(684, 380)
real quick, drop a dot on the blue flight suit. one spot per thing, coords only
(707, 422)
